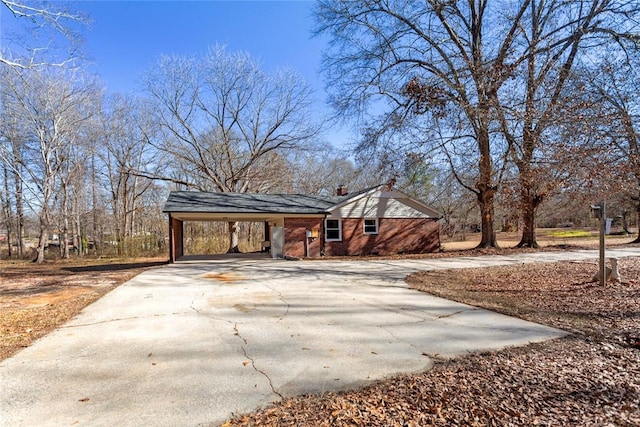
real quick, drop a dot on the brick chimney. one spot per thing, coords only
(342, 191)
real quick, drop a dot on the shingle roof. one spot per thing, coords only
(241, 203)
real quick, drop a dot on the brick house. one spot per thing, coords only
(377, 221)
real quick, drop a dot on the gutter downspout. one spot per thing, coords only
(322, 242)
(172, 254)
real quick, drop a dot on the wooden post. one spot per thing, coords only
(603, 273)
(172, 255)
(176, 237)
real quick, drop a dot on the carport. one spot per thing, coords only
(177, 220)
(270, 209)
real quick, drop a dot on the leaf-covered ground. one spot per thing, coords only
(590, 378)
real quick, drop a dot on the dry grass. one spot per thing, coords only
(546, 238)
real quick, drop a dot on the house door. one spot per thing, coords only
(277, 242)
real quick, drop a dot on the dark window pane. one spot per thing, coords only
(333, 234)
(333, 223)
(370, 226)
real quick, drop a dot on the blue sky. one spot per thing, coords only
(127, 36)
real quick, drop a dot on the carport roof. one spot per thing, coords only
(246, 203)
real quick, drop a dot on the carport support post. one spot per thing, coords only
(176, 248)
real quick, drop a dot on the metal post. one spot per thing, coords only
(603, 216)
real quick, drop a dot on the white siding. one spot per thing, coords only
(384, 205)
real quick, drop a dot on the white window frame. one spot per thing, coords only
(326, 229)
(364, 226)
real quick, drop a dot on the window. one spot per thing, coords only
(371, 226)
(332, 229)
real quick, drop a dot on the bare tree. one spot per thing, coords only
(34, 38)
(555, 37)
(222, 114)
(612, 109)
(447, 62)
(319, 168)
(124, 133)
(5, 208)
(434, 59)
(12, 201)
(51, 107)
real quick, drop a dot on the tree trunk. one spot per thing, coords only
(77, 225)
(42, 242)
(45, 219)
(94, 205)
(637, 239)
(529, 202)
(19, 217)
(64, 240)
(528, 239)
(486, 191)
(9, 240)
(485, 200)
(625, 222)
(17, 182)
(6, 207)
(233, 238)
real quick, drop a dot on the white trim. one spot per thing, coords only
(248, 217)
(326, 238)
(364, 226)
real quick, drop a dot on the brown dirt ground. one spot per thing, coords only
(591, 378)
(36, 298)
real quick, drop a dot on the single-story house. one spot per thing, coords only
(377, 221)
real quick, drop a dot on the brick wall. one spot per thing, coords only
(394, 236)
(295, 234)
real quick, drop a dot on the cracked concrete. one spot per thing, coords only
(253, 362)
(194, 343)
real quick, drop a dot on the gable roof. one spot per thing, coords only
(247, 203)
(369, 202)
(196, 202)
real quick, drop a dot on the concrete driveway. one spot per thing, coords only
(196, 342)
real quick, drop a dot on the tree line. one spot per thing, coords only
(95, 168)
(473, 106)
